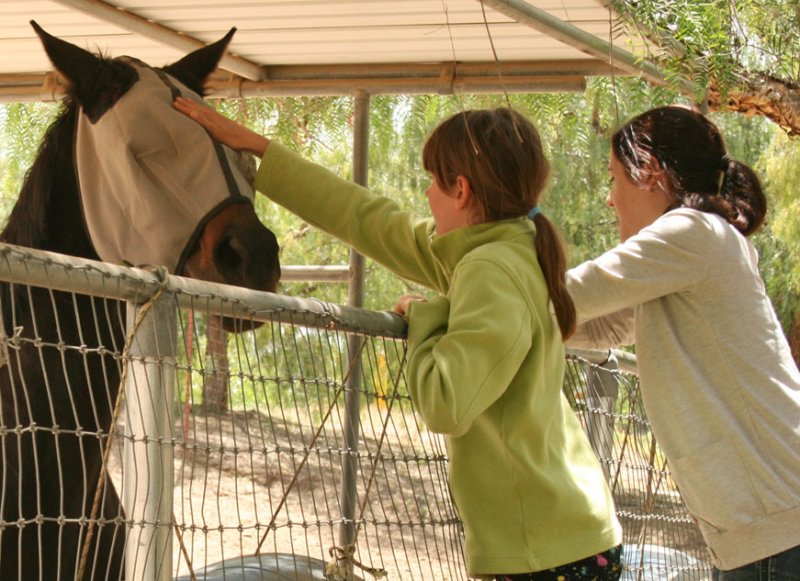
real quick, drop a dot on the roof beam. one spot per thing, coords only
(394, 86)
(147, 28)
(538, 19)
(375, 79)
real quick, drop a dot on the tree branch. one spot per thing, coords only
(774, 98)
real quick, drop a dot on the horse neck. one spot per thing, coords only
(48, 214)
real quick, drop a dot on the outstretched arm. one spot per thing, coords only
(374, 225)
(226, 131)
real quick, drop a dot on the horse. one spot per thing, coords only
(119, 177)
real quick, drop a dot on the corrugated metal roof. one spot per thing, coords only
(272, 34)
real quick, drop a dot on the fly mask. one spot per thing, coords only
(151, 178)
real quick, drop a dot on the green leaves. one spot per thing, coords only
(22, 127)
(722, 44)
(575, 128)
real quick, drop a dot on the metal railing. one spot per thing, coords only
(298, 469)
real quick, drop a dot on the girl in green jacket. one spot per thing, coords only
(486, 356)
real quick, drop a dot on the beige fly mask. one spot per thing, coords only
(160, 176)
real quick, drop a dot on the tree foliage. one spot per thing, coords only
(575, 127)
(743, 55)
(22, 127)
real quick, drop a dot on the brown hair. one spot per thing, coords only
(500, 152)
(700, 174)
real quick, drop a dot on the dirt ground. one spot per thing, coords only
(246, 483)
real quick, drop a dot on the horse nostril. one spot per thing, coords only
(250, 261)
(229, 256)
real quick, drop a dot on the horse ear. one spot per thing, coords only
(96, 83)
(78, 65)
(193, 69)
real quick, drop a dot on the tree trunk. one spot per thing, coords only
(776, 99)
(215, 384)
(794, 341)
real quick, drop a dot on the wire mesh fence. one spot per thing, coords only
(287, 450)
(661, 541)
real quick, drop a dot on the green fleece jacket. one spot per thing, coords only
(485, 367)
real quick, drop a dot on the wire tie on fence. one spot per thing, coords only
(162, 275)
(326, 314)
(346, 555)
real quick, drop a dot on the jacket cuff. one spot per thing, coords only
(426, 319)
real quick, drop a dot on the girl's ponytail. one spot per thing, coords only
(745, 199)
(553, 262)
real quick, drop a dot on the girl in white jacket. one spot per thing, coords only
(718, 380)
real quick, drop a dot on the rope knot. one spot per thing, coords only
(342, 566)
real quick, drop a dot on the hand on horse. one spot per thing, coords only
(226, 131)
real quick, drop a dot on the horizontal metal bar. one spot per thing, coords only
(128, 20)
(68, 273)
(625, 361)
(410, 86)
(541, 20)
(387, 79)
(335, 273)
(524, 68)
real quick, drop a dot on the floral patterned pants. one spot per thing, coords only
(607, 566)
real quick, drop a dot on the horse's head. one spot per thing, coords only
(155, 188)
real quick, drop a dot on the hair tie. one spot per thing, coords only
(533, 212)
(727, 160)
(724, 165)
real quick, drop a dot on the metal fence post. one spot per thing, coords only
(602, 391)
(349, 495)
(148, 477)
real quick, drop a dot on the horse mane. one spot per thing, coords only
(52, 174)
(48, 214)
